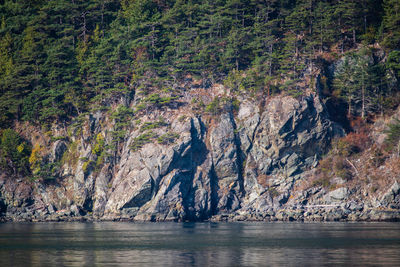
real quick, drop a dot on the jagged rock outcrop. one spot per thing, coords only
(239, 166)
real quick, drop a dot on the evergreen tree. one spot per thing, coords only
(345, 83)
(391, 24)
(347, 13)
(14, 153)
(324, 33)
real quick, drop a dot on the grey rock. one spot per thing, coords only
(101, 191)
(390, 195)
(75, 210)
(338, 195)
(225, 162)
(58, 149)
(337, 181)
(50, 208)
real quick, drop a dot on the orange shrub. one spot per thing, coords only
(352, 143)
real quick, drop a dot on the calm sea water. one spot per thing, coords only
(199, 244)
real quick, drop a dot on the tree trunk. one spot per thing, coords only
(349, 111)
(237, 63)
(363, 99)
(363, 104)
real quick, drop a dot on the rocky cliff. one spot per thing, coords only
(174, 165)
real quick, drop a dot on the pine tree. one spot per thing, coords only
(348, 18)
(345, 83)
(391, 24)
(264, 41)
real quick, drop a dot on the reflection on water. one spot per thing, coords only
(199, 244)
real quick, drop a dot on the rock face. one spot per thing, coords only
(239, 166)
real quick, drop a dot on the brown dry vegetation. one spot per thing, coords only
(360, 159)
(263, 180)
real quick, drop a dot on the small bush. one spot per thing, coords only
(197, 104)
(140, 107)
(57, 138)
(99, 145)
(47, 171)
(35, 157)
(393, 136)
(155, 100)
(341, 168)
(122, 114)
(182, 118)
(273, 192)
(222, 104)
(153, 125)
(325, 166)
(322, 181)
(214, 106)
(141, 140)
(235, 81)
(71, 156)
(100, 159)
(351, 144)
(87, 166)
(377, 157)
(117, 136)
(374, 188)
(235, 104)
(167, 138)
(14, 153)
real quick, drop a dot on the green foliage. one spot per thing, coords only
(58, 138)
(35, 158)
(214, 106)
(153, 125)
(341, 168)
(139, 141)
(361, 82)
(88, 166)
(168, 138)
(273, 192)
(391, 23)
(101, 159)
(118, 135)
(342, 147)
(60, 58)
(393, 136)
(197, 104)
(47, 171)
(99, 150)
(122, 116)
(14, 153)
(222, 104)
(235, 81)
(155, 101)
(182, 118)
(393, 62)
(99, 145)
(235, 104)
(71, 156)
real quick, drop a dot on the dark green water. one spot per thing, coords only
(199, 244)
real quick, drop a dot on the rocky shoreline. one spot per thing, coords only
(303, 214)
